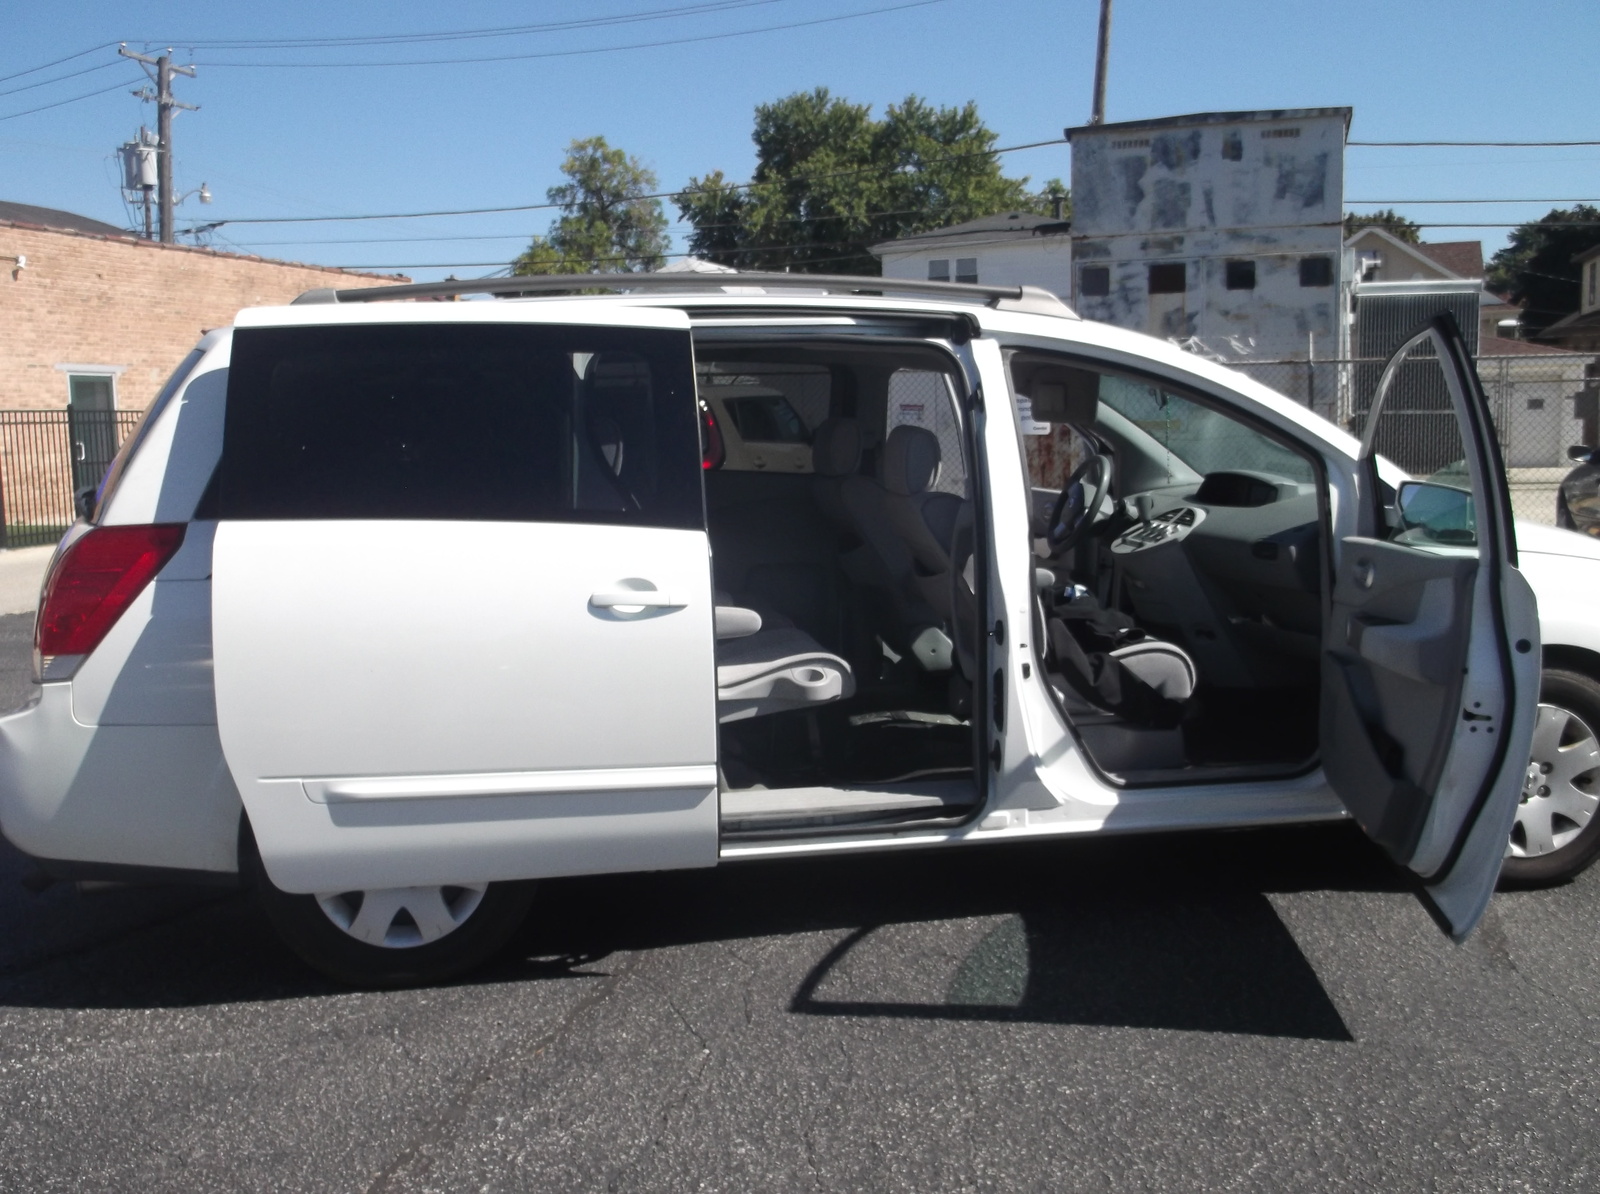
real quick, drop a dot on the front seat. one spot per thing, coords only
(874, 556)
(924, 518)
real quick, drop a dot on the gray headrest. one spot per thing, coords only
(836, 448)
(910, 460)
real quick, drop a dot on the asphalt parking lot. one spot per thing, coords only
(1259, 1011)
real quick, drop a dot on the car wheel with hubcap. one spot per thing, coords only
(1564, 513)
(393, 936)
(1556, 833)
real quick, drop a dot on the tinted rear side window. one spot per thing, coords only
(494, 422)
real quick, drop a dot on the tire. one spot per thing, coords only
(428, 933)
(1557, 831)
(1564, 513)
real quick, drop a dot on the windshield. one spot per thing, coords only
(1205, 440)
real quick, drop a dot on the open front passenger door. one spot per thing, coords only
(1430, 669)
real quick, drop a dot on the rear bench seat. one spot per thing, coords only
(770, 666)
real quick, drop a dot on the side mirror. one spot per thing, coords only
(1582, 453)
(1434, 513)
(83, 502)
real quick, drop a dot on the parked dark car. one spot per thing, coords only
(1578, 499)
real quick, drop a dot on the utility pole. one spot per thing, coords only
(1098, 115)
(165, 103)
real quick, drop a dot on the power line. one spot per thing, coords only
(398, 240)
(736, 249)
(33, 70)
(1486, 144)
(73, 100)
(729, 187)
(643, 45)
(1448, 201)
(302, 43)
(88, 70)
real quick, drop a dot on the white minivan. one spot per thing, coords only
(390, 607)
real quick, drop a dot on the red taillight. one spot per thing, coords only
(712, 452)
(95, 581)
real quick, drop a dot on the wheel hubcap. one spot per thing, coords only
(401, 917)
(1560, 792)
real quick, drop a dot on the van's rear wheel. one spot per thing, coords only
(395, 936)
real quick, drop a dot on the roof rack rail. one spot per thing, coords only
(1032, 299)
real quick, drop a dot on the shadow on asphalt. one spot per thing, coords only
(1150, 932)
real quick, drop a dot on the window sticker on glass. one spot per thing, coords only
(1025, 419)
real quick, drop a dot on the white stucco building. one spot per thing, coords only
(1220, 229)
(1009, 249)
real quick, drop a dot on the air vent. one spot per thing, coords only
(1132, 143)
(1267, 133)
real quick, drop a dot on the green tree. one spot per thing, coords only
(1535, 268)
(1391, 221)
(609, 222)
(831, 180)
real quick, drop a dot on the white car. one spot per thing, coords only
(390, 607)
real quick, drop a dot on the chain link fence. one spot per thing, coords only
(1541, 403)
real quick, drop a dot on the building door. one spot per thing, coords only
(91, 426)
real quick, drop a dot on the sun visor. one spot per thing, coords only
(1060, 393)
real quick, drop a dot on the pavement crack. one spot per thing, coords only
(455, 1112)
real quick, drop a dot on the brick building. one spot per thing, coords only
(95, 316)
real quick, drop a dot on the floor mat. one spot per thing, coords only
(1242, 725)
(837, 748)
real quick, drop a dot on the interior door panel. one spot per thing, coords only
(1398, 644)
(1430, 661)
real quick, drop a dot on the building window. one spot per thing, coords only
(1316, 271)
(92, 391)
(1132, 143)
(939, 271)
(1271, 133)
(1171, 277)
(967, 269)
(1094, 281)
(1232, 146)
(1240, 275)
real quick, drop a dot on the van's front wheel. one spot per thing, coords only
(395, 936)
(1556, 833)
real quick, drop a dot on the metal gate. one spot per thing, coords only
(45, 457)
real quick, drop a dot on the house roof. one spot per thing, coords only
(22, 215)
(1194, 118)
(1463, 258)
(50, 217)
(1586, 255)
(1457, 258)
(1498, 346)
(1003, 226)
(1578, 321)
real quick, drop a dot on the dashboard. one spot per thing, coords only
(1233, 567)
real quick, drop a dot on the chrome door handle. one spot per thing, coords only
(634, 599)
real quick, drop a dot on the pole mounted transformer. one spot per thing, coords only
(165, 103)
(140, 173)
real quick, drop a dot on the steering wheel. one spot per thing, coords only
(1080, 500)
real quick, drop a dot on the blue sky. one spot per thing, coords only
(273, 139)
